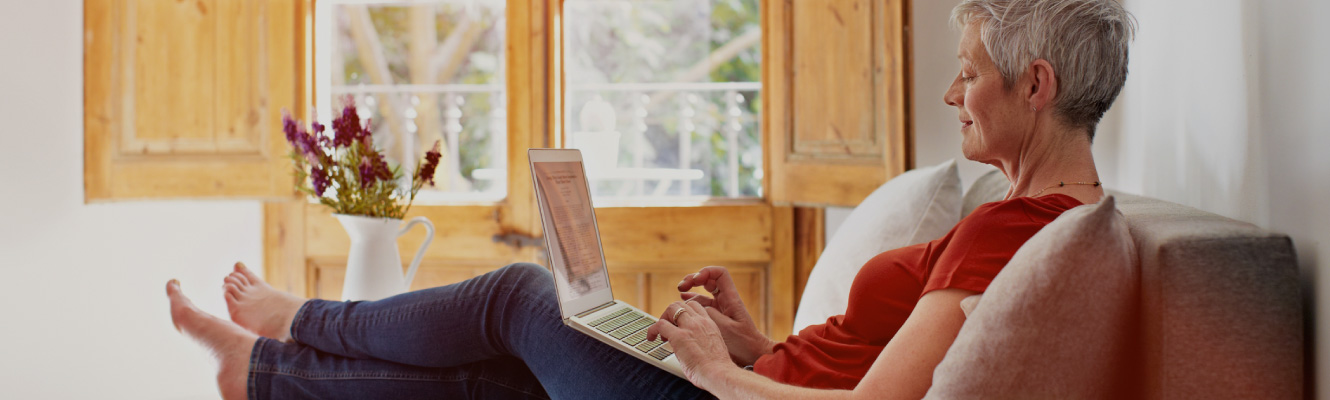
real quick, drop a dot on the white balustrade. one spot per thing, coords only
(695, 120)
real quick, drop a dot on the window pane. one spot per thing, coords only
(680, 82)
(422, 72)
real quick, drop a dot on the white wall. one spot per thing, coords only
(84, 312)
(1265, 68)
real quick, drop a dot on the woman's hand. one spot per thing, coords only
(696, 340)
(744, 342)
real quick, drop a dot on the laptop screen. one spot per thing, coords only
(572, 240)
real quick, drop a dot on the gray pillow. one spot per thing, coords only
(1056, 322)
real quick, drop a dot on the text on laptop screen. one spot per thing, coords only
(577, 261)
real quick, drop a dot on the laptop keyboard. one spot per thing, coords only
(630, 327)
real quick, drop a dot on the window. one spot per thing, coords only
(674, 86)
(422, 72)
(663, 97)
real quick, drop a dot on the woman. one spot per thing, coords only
(1036, 76)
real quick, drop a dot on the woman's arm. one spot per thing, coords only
(904, 370)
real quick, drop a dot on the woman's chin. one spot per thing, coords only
(970, 150)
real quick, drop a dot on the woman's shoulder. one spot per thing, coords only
(1041, 210)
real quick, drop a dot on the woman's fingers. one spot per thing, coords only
(686, 283)
(699, 298)
(665, 325)
(695, 308)
(715, 279)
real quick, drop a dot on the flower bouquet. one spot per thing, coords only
(345, 171)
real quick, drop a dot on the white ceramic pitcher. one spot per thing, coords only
(374, 266)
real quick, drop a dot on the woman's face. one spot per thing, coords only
(994, 118)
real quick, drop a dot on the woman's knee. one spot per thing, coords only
(527, 275)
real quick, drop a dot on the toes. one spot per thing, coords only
(249, 275)
(241, 273)
(237, 280)
(231, 299)
(231, 289)
(172, 287)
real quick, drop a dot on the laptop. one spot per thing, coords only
(572, 244)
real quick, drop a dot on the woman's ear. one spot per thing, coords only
(1044, 84)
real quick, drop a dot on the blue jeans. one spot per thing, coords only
(499, 335)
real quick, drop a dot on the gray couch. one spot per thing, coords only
(1220, 305)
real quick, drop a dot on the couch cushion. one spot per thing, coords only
(914, 207)
(1221, 310)
(990, 187)
(1055, 323)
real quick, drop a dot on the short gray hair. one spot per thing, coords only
(1085, 41)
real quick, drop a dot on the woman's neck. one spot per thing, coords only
(1041, 168)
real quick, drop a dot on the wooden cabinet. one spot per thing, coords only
(184, 99)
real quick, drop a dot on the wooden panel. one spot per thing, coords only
(651, 288)
(184, 99)
(835, 76)
(832, 57)
(328, 274)
(739, 233)
(284, 247)
(461, 233)
(239, 108)
(630, 286)
(780, 301)
(809, 240)
(529, 67)
(749, 281)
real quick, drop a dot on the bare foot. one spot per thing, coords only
(258, 307)
(229, 344)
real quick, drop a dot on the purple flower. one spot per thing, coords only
(367, 175)
(309, 147)
(320, 179)
(346, 128)
(305, 144)
(289, 126)
(426, 171)
(373, 168)
(365, 136)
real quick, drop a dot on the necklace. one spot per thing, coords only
(1061, 184)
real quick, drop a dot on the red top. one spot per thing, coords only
(838, 353)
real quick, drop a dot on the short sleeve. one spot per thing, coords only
(981, 245)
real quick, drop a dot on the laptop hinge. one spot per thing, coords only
(598, 308)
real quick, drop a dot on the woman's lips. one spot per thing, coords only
(966, 124)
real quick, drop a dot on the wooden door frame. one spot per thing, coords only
(770, 235)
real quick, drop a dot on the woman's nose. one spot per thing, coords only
(952, 96)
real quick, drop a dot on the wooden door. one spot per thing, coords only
(184, 99)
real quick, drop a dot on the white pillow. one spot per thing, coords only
(914, 207)
(1056, 323)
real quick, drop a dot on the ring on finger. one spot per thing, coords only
(675, 318)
